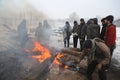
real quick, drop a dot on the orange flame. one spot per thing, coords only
(56, 59)
(66, 67)
(44, 52)
(57, 62)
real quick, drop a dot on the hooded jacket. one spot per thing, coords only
(99, 52)
(66, 31)
(82, 30)
(93, 30)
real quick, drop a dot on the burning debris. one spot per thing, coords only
(44, 52)
(19, 63)
(44, 57)
(67, 66)
(41, 63)
(22, 65)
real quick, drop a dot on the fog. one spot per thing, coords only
(18, 22)
(20, 25)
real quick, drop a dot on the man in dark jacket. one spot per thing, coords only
(93, 30)
(22, 33)
(89, 22)
(75, 34)
(98, 57)
(104, 25)
(82, 32)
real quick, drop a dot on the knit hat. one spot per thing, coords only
(87, 44)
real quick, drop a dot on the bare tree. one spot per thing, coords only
(73, 16)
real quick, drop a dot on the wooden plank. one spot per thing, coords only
(71, 52)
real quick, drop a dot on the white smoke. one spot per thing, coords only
(12, 12)
(19, 8)
(15, 63)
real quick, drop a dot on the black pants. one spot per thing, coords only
(112, 47)
(75, 41)
(81, 42)
(66, 41)
(91, 68)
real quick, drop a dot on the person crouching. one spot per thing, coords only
(98, 57)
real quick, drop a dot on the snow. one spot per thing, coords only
(116, 54)
(57, 42)
(9, 40)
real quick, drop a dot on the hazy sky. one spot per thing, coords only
(84, 8)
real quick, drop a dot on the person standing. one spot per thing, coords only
(66, 33)
(82, 32)
(75, 34)
(89, 22)
(22, 33)
(93, 30)
(47, 31)
(104, 25)
(39, 31)
(110, 35)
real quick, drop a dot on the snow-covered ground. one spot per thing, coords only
(116, 55)
(57, 42)
(9, 39)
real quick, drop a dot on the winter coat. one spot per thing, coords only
(99, 52)
(75, 29)
(93, 30)
(22, 32)
(66, 31)
(110, 35)
(82, 30)
(102, 34)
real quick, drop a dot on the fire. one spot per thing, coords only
(56, 59)
(44, 52)
(66, 67)
(59, 63)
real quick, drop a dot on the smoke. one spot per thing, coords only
(12, 14)
(16, 17)
(19, 8)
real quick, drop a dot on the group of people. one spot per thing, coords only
(98, 46)
(43, 32)
(78, 32)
